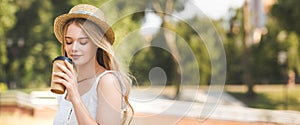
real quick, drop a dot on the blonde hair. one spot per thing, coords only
(105, 57)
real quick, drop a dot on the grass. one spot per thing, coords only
(278, 97)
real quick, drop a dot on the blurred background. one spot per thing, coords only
(261, 46)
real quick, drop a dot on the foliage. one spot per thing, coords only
(264, 63)
(287, 14)
(233, 44)
(198, 47)
(293, 51)
(7, 21)
(30, 45)
(3, 87)
(27, 42)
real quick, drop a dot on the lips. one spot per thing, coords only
(75, 56)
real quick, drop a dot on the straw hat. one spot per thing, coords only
(84, 11)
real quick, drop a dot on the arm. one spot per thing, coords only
(109, 100)
(82, 114)
(69, 81)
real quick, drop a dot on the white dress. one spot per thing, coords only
(66, 114)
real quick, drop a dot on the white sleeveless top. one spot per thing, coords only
(66, 114)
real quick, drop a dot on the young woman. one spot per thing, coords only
(96, 89)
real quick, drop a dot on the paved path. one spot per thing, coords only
(171, 120)
(194, 104)
(154, 106)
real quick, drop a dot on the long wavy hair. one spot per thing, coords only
(106, 58)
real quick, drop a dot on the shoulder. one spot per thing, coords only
(108, 82)
(108, 77)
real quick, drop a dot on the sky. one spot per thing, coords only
(213, 9)
(217, 9)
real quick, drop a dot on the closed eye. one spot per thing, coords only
(83, 41)
(69, 41)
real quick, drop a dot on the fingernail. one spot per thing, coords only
(66, 62)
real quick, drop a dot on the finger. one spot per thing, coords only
(64, 69)
(69, 66)
(61, 75)
(66, 73)
(63, 82)
(63, 79)
(61, 67)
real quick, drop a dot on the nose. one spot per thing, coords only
(75, 46)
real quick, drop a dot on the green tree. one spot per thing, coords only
(184, 30)
(233, 47)
(7, 21)
(287, 14)
(30, 43)
(160, 8)
(165, 9)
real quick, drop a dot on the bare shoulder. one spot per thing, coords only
(108, 82)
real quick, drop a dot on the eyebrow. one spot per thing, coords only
(78, 38)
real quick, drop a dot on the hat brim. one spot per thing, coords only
(61, 20)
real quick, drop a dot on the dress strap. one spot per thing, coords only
(100, 75)
(120, 81)
(115, 73)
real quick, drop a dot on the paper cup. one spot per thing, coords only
(57, 87)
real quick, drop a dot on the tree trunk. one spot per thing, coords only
(170, 38)
(247, 42)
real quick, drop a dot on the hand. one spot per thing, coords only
(68, 79)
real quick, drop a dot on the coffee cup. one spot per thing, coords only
(57, 87)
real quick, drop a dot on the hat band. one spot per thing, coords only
(84, 12)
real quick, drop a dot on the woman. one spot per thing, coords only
(97, 89)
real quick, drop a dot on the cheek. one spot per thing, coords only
(68, 49)
(93, 51)
(88, 50)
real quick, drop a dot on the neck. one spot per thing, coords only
(87, 71)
